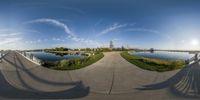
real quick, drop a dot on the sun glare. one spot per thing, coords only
(194, 42)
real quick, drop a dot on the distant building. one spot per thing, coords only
(111, 45)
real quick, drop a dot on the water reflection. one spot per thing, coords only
(45, 56)
(164, 55)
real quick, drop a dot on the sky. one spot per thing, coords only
(161, 24)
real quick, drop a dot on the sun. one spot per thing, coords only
(194, 42)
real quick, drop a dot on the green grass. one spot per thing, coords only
(153, 64)
(74, 63)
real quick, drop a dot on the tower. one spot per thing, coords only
(111, 45)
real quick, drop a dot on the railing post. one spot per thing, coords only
(1, 56)
(196, 56)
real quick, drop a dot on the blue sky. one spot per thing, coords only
(163, 24)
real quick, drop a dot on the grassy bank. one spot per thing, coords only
(153, 64)
(74, 63)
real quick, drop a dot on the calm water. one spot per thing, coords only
(53, 57)
(165, 55)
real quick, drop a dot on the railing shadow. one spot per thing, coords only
(186, 83)
(8, 91)
(3, 55)
(77, 91)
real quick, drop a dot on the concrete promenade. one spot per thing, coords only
(112, 77)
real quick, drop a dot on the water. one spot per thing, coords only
(53, 57)
(165, 55)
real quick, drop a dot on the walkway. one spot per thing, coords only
(110, 78)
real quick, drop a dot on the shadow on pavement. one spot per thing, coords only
(7, 91)
(185, 83)
(32, 75)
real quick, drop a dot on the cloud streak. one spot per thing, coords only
(146, 30)
(71, 35)
(143, 30)
(53, 22)
(9, 39)
(111, 28)
(9, 34)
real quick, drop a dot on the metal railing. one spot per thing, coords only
(2, 54)
(195, 58)
(31, 57)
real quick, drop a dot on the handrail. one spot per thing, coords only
(31, 58)
(2, 54)
(195, 58)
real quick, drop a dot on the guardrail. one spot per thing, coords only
(30, 57)
(2, 54)
(193, 59)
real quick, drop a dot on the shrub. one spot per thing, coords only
(64, 63)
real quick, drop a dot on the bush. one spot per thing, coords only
(64, 63)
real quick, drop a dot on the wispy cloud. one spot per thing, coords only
(111, 28)
(34, 41)
(98, 22)
(9, 34)
(146, 30)
(9, 38)
(142, 29)
(71, 35)
(53, 22)
(44, 40)
(6, 33)
(85, 41)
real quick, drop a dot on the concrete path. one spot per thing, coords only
(110, 78)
